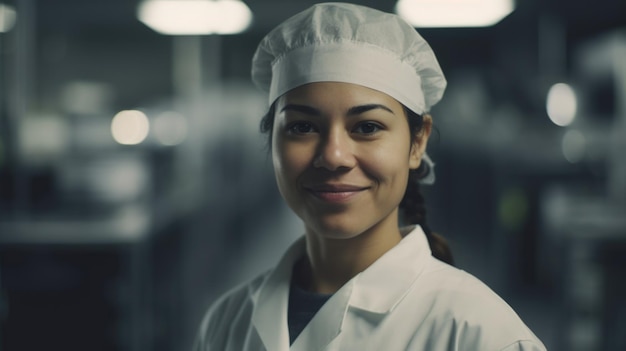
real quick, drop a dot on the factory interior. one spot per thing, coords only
(136, 187)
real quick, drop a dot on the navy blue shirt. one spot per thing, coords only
(302, 306)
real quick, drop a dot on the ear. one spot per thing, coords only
(419, 144)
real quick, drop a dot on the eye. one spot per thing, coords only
(367, 128)
(301, 128)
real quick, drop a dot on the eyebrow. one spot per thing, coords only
(301, 108)
(355, 110)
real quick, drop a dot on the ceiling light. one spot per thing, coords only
(454, 13)
(195, 17)
(7, 18)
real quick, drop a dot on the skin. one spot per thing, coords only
(342, 154)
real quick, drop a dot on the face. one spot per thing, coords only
(342, 154)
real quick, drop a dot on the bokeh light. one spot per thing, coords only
(513, 208)
(170, 128)
(130, 127)
(574, 146)
(561, 104)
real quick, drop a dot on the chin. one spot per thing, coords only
(336, 228)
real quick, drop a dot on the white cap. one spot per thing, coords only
(349, 43)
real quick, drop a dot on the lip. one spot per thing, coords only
(335, 193)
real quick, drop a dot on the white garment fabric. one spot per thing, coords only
(406, 300)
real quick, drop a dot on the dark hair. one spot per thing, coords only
(412, 204)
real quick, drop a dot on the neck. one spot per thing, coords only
(333, 262)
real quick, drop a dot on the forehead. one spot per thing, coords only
(336, 94)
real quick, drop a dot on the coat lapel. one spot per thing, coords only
(326, 324)
(269, 316)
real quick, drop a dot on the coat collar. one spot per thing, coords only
(386, 282)
(378, 289)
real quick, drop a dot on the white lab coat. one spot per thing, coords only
(406, 300)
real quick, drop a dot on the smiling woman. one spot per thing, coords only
(341, 181)
(349, 93)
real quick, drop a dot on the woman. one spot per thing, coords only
(349, 91)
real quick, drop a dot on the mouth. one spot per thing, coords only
(335, 193)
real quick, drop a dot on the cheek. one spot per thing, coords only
(389, 163)
(289, 161)
(281, 172)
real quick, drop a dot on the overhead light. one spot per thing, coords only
(195, 17)
(7, 18)
(454, 13)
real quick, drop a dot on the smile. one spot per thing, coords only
(335, 193)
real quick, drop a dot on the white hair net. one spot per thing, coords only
(353, 44)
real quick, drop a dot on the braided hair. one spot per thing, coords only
(412, 204)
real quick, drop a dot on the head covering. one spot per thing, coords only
(353, 44)
(340, 42)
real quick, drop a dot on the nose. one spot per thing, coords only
(335, 152)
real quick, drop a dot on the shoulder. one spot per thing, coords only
(463, 304)
(459, 285)
(230, 312)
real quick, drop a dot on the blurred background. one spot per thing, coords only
(135, 186)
